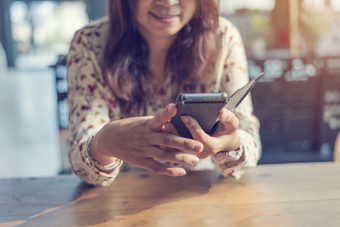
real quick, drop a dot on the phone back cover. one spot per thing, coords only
(206, 115)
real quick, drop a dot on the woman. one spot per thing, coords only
(124, 75)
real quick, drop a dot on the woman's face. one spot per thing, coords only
(163, 17)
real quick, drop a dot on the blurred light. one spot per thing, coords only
(317, 4)
(232, 6)
(335, 5)
(45, 9)
(320, 4)
(41, 30)
(19, 11)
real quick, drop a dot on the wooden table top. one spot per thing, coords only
(269, 195)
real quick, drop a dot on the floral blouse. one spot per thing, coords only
(92, 103)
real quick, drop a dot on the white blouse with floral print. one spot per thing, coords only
(92, 103)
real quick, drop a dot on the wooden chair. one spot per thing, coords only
(336, 153)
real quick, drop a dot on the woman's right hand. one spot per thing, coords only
(144, 142)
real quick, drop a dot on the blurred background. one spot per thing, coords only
(295, 42)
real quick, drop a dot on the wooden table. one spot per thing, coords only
(268, 195)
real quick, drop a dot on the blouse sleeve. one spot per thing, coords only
(235, 75)
(90, 106)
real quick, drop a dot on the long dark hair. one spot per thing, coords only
(126, 54)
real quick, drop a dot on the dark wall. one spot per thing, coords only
(298, 105)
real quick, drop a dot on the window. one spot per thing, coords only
(42, 30)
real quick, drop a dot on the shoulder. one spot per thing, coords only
(226, 27)
(223, 22)
(100, 25)
(227, 34)
(92, 38)
(93, 33)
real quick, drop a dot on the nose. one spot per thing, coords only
(167, 3)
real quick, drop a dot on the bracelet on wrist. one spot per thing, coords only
(100, 166)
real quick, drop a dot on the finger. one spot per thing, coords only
(211, 144)
(162, 117)
(229, 122)
(195, 129)
(176, 142)
(162, 169)
(172, 156)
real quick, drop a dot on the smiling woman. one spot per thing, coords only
(124, 74)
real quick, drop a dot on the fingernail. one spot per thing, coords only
(181, 172)
(224, 115)
(194, 160)
(170, 109)
(198, 147)
(185, 119)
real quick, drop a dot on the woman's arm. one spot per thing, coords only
(89, 108)
(235, 75)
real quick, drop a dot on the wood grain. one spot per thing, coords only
(281, 195)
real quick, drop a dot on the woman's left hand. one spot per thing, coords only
(225, 138)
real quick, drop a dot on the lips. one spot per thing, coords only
(163, 16)
(165, 13)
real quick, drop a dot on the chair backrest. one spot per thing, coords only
(336, 153)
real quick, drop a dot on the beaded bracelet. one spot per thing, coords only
(100, 166)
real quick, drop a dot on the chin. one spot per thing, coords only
(167, 32)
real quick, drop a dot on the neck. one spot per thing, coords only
(157, 43)
(158, 49)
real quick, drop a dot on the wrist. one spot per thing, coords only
(234, 152)
(100, 160)
(234, 145)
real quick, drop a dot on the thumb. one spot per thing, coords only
(228, 120)
(162, 117)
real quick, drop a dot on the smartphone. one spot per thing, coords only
(204, 107)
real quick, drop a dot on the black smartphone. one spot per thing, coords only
(204, 107)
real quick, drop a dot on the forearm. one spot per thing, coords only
(84, 158)
(88, 115)
(234, 163)
(91, 106)
(235, 75)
